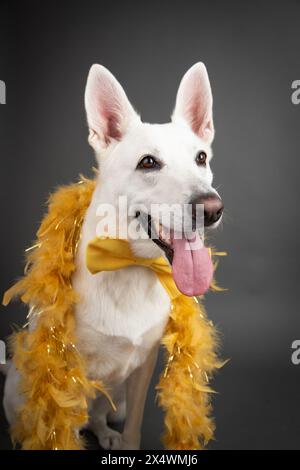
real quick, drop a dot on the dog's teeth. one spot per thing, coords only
(164, 234)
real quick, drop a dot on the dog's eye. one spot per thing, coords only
(201, 158)
(148, 162)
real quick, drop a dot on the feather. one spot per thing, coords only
(54, 383)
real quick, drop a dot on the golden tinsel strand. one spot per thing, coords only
(191, 345)
(53, 378)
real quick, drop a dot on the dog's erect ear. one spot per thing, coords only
(194, 102)
(109, 112)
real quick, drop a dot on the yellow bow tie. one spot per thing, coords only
(108, 254)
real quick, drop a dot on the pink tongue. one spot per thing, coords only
(192, 266)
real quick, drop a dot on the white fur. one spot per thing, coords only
(122, 314)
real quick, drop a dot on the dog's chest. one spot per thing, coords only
(120, 317)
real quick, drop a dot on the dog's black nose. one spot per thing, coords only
(213, 207)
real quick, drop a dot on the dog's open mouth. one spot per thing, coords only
(190, 260)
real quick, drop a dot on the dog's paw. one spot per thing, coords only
(109, 439)
(130, 443)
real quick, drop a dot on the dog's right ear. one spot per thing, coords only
(109, 112)
(194, 102)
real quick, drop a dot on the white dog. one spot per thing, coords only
(122, 314)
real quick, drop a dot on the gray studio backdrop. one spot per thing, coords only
(252, 52)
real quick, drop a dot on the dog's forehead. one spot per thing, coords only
(170, 130)
(165, 137)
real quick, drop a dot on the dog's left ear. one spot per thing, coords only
(194, 102)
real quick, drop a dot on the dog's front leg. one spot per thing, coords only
(136, 392)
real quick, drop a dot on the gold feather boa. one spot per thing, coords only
(53, 378)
